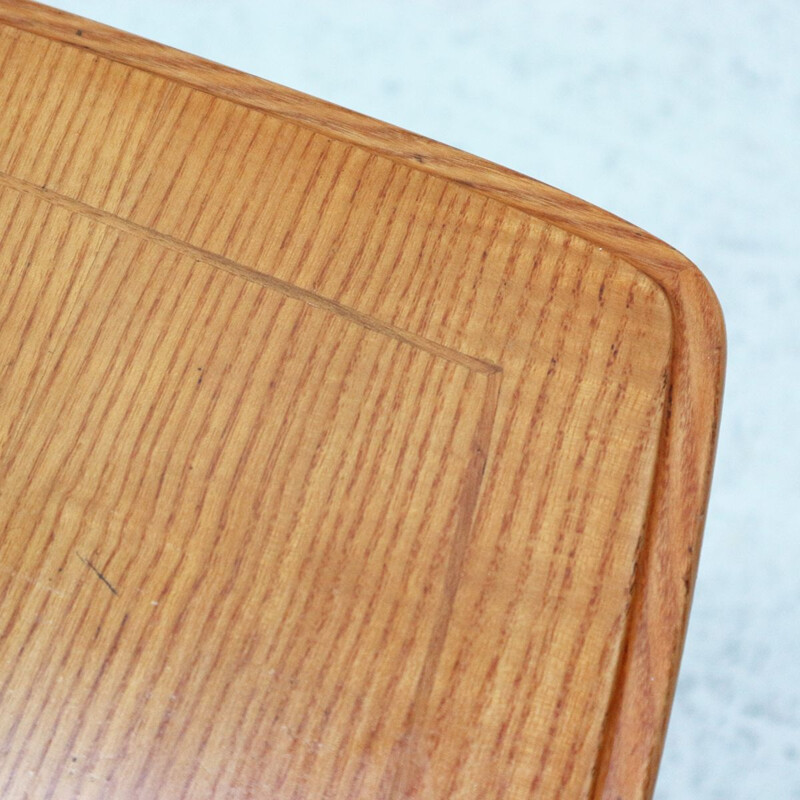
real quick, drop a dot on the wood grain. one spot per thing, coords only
(333, 462)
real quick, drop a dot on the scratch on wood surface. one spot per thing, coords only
(97, 572)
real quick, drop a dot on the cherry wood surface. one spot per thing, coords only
(334, 462)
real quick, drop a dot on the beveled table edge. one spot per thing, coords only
(661, 595)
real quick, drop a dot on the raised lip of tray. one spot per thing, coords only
(635, 728)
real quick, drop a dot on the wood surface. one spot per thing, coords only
(334, 463)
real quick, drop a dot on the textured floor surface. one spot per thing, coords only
(685, 119)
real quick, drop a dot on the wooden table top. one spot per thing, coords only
(334, 463)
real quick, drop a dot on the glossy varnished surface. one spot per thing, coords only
(327, 470)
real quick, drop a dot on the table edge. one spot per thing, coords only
(661, 596)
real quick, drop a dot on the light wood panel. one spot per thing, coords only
(333, 462)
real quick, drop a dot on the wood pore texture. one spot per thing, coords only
(334, 463)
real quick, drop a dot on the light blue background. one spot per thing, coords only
(683, 117)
